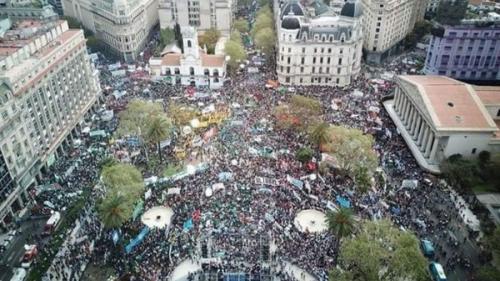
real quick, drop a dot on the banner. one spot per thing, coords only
(137, 240)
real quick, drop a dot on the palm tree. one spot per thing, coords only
(158, 131)
(340, 224)
(319, 133)
(113, 211)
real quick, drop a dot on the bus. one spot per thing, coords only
(437, 271)
(52, 223)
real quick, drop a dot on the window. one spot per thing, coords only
(288, 60)
(474, 151)
(303, 50)
(329, 50)
(340, 61)
(191, 71)
(321, 60)
(498, 113)
(314, 60)
(301, 69)
(288, 69)
(287, 79)
(328, 60)
(315, 50)
(313, 69)
(302, 60)
(189, 43)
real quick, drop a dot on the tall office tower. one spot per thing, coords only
(47, 85)
(202, 14)
(124, 25)
(385, 24)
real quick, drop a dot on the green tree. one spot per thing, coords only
(209, 39)
(124, 181)
(484, 158)
(114, 212)
(236, 37)
(459, 172)
(300, 113)
(340, 224)
(181, 114)
(265, 40)
(241, 25)
(380, 251)
(304, 154)
(319, 134)
(493, 242)
(167, 36)
(236, 53)
(362, 179)
(352, 151)
(135, 119)
(451, 12)
(487, 273)
(158, 131)
(263, 20)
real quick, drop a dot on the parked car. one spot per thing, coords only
(427, 248)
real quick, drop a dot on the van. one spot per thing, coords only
(52, 223)
(437, 271)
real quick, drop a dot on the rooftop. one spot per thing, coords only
(489, 95)
(453, 105)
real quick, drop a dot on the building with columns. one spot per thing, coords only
(201, 14)
(191, 67)
(47, 85)
(123, 25)
(439, 117)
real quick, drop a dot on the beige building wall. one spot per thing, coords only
(387, 22)
(202, 14)
(124, 25)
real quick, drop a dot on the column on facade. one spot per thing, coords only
(428, 145)
(408, 114)
(20, 201)
(422, 132)
(414, 121)
(411, 119)
(397, 99)
(434, 149)
(418, 127)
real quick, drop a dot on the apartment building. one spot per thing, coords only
(47, 85)
(123, 25)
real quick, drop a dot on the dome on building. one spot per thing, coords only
(290, 22)
(352, 9)
(292, 7)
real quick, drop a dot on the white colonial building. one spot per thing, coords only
(123, 25)
(202, 14)
(324, 49)
(192, 67)
(439, 117)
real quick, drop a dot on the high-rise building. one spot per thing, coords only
(322, 50)
(123, 25)
(47, 85)
(386, 23)
(201, 14)
(468, 51)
